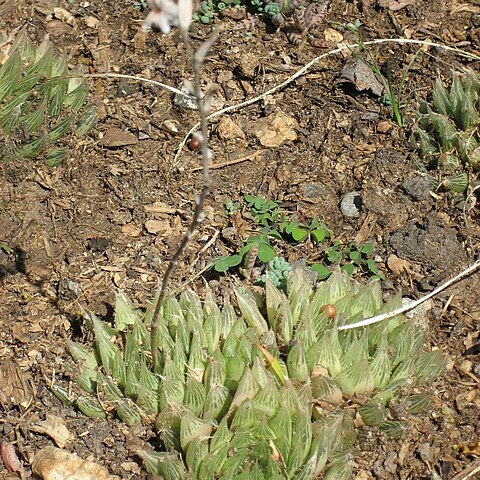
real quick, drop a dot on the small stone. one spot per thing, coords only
(248, 65)
(171, 126)
(115, 137)
(227, 129)
(187, 100)
(91, 22)
(384, 126)
(131, 230)
(64, 16)
(276, 129)
(156, 227)
(224, 76)
(351, 205)
(417, 187)
(52, 463)
(332, 36)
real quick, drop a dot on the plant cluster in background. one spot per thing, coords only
(274, 225)
(257, 397)
(38, 105)
(447, 133)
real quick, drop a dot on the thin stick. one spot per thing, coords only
(198, 214)
(230, 162)
(130, 77)
(415, 304)
(305, 68)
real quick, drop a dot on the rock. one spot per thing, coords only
(248, 65)
(227, 130)
(435, 246)
(131, 230)
(275, 130)
(351, 205)
(417, 187)
(52, 463)
(115, 137)
(91, 22)
(156, 227)
(64, 16)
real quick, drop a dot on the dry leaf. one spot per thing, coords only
(55, 428)
(398, 265)
(361, 76)
(16, 385)
(131, 230)
(158, 227)
(9, 457)
(159, 207)
(470, 448)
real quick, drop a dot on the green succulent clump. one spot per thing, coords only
(447, 131)
(38, 105)
(209, 8)
(255, 395)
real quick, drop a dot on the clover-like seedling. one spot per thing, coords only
(300, 232)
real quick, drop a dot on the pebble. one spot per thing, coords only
(351, 205)
(52, 463)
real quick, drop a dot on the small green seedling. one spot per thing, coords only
(300, 232)
(263, 211)
(232, 207)
(350, 257)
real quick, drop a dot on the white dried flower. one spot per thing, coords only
(163, 16)
(166, 14)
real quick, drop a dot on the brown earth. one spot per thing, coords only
(84, 230)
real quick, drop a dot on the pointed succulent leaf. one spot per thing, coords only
(90, 407)
(373, 413)
(125, 313)
(394, 429)
(155, 461)
(380, 365)
(297, 363)
(418, 403)
(251, 313)
(193, 428)
(197, 451)
(325, 389)
(356, 379)
(107, 389)
(330, 352)
(128, 412)
(273, 299)
(429, 366)
(217, 402)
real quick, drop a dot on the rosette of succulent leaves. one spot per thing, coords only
(39, 103)
(305, 13)
(258, 391)
(446, 133)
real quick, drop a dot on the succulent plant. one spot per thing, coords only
(277, 272)
(38, 105)
(256, 395)
(447, 134)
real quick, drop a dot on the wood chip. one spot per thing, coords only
(114, 137)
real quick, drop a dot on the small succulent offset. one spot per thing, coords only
(306, 13)
(447, 132)
(38, 104)
(252, 395)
